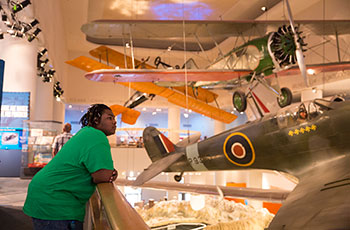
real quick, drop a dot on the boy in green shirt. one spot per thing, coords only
(58, 193)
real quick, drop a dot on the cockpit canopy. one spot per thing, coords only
(296, 114)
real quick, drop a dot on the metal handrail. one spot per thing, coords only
(120, 214)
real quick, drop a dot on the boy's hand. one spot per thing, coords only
(114, 176)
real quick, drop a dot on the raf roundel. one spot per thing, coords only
(239, 150)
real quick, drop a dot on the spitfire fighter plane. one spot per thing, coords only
(309, 141)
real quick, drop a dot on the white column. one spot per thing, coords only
(58, 111)
(220, 178)
(172, 195)
(174, 123)
(43, 100)
(20, 75)
(255, 181)
(20, 58)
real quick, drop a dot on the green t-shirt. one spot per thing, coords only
(61, 189)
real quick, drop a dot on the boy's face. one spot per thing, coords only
(107, 123)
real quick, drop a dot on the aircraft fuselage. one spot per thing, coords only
(280, 143)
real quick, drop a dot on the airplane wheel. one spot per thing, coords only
(177, 178)
(286, 97)
(239, 101)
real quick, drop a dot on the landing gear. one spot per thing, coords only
(158, 61)
(239, 101)
(178, 178)
(285, 98)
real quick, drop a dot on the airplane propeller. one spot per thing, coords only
(298, 42)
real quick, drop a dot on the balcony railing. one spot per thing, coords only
(109, 210)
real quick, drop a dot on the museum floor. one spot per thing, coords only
(13, 192)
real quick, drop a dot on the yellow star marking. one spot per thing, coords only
(313, 127)
(307, 129)
(296, 132)
(291, 133)
(302, 130)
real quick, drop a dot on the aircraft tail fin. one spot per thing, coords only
(162, 152)
(157, 144)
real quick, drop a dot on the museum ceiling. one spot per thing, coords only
(74, 14)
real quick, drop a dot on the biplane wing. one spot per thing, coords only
(196, 105)
(118, 59)
(87, 64)
(154, 75)
(161, 34)
(318, 68)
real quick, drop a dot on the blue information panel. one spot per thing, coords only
(12, 138)
(14, 109)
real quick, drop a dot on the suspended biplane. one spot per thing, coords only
(276, 53)
(197, 101)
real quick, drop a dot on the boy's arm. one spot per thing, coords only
(104, 176)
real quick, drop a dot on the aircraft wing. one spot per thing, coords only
(181, 100)
(116, 58)
(87, 64)
(197, 105)
(318, 68)
(154, 75)
(275, 195)
(321, 200)
(162, 34)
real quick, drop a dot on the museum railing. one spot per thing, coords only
(109, 209)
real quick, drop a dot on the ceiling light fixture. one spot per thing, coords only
(311, 71)
(34, 23)
(41, 63)
(29, 26)
(57, 90)
(19, 6)
(264, 8)
(3, 17)
(34, 35)
(41, 53)
(46, 77)
(51, 72)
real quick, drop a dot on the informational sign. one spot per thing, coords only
(12, 138)
(2, 68)
(14, 109)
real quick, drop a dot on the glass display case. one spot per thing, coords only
(37, 152)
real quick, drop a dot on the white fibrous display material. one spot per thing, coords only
(217, 213)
